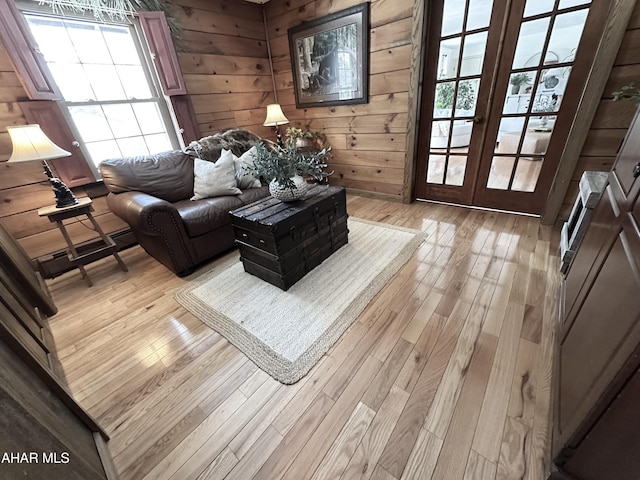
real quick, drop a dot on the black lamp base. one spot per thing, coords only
(64, 196)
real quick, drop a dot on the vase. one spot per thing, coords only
(287, 194)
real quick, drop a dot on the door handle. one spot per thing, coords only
(636, 170)
(478, 119)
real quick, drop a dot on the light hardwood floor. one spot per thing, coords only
(445, 376)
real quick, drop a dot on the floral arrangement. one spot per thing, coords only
(282, 163)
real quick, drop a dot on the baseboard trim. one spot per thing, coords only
(55, 264)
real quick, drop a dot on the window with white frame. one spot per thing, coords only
(109, 93)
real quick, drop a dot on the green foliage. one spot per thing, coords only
(629, 91)
(466, 95)
(282, 163)
(520, 79)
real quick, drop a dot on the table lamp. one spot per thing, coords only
(274, 118)
(30, 143)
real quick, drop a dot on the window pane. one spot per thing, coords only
(91, 123)
(149, 118)
(132, 146)
(72, 81)
(527, 173)
(452, 17)
(479, 14)
(449, 54)
(566, 33)
(573, 3)
(440, 134)
(530, 43)
(443, 106)
(98, 68)
(120, 44)
(500, 173)
(509, 134)
(134, 82)
(466, 100)
(435, 169)
(88, 42)
(105, 81)
(536, 7)
(99, 151)
(52, 38)
(473, 56)
(158, 143)
(455, 170)
(121, 120)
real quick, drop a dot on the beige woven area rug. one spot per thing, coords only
(286, 333)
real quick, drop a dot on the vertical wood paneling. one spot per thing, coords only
(368, 155)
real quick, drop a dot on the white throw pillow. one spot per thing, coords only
(243, 178)
(215, 179)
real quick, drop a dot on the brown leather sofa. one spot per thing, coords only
(152, 194)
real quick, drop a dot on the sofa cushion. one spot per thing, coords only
(251, 195)
(206, 215)
(215, 179)
(166, 175)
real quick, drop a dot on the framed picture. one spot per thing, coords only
(330, 58)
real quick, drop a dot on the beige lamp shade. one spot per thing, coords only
(275, 116)
(30, 143)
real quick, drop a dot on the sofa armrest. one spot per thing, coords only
(157, 227)
(138, 209)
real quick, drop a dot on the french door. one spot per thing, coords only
(502, 81)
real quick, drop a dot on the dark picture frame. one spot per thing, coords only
(330, 58)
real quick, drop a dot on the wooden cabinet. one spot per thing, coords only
(45, 434)
(599, 337)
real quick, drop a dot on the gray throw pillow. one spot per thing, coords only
(215, 179)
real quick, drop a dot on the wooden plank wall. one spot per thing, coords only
(612, 119)
(368, 140)
(224, 60)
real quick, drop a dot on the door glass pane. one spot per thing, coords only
(479, 14)
(473, 56)
(573, 3)
(435, 169)
(542, 123)
(527, 173)
(520, 84)
(455, 170)
(500, 173)
(566, 33)
(536, 7)
(467, 97)
(440, 134)
(536, 138)
(530, 43)
(509, 134)
(452, 17)
(449, 55)
(443, 106)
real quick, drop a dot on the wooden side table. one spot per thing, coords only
(78, 256)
